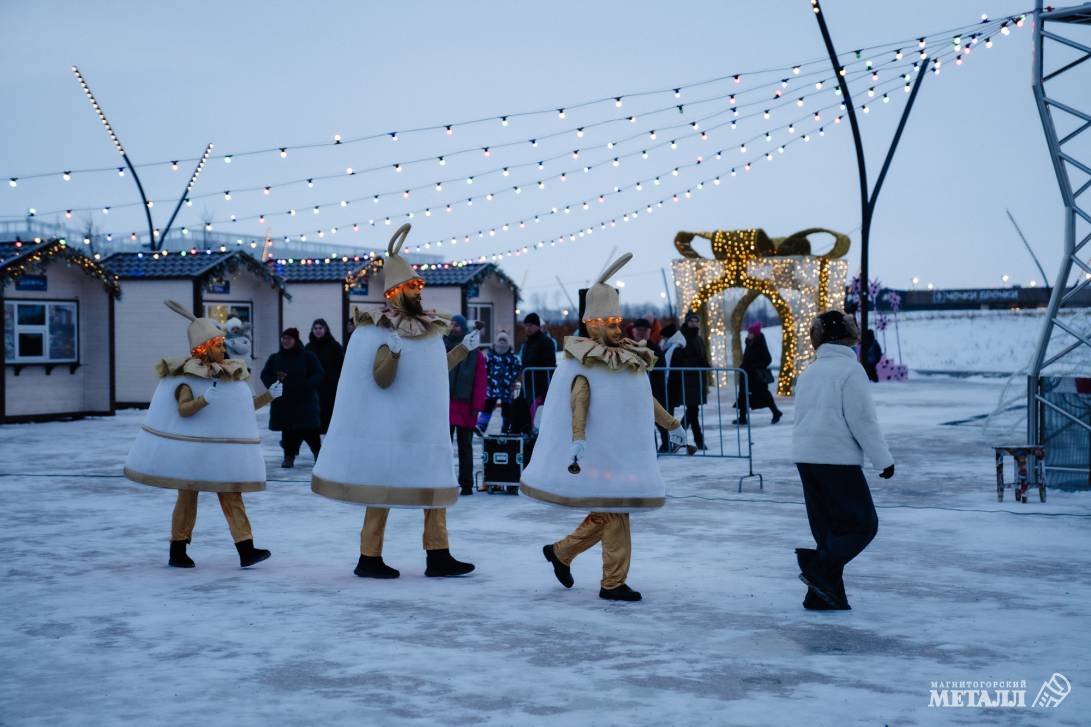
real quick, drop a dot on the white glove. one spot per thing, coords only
(394, 344)
(472, 340)
(211, 394)
(276, 390)
(575, 450)
(678, 437)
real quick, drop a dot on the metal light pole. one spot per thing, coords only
(152, 236)
(867, 201)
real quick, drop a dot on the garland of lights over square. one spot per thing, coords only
(748, 263)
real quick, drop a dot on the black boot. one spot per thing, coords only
(289, 461)
(372, 566)
(466, 490)
(621, 593)
(178, 557)
(562, 571)
(441, 564)
(249, 555)
(777, 416)
(811, 573)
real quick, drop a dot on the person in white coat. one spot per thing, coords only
(200, 435)
(835, 429)
(388, 443)
(596, 446)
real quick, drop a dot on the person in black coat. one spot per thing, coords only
(331, 355)
(642, 329)
(538, 350)
(296, 414)
(756, 360)
(872, 354)
(694, 388)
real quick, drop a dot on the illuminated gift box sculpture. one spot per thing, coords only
(748, 263)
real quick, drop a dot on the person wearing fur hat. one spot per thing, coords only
(296, 415)
(468, 384)
(835, 428)
(389, 444)
(756, 360)
(503, 371)
(596, 450)
(200, 435)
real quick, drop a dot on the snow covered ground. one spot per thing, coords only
(97, 630)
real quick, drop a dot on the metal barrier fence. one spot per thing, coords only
(707, 400)
(1065, 411)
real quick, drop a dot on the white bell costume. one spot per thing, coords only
(180, 446)
(389, 441)
(596, 446)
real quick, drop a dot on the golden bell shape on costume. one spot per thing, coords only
(201, 330)
(395, 269)
(602, 300)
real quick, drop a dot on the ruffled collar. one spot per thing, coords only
(231, 369)
(631, 355)
(406, 325)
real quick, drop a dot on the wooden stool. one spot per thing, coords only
(1025, 473)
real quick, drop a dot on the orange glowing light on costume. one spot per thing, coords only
(609, 321)
(415, 284)
(202, 350)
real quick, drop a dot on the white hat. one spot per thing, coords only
(396, 270)
(201, 330)
(602, 301)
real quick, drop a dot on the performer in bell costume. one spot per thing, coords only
(596, 447)
(389, 442)
(200, 435)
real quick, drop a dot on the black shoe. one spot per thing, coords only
(777, 416)
(621, 593)
(811, 574)
(738, 421)
(372, 566)
(466, 490)
(178, 557)
(440, 564)
(562, 571)
(249, 555)
(289, 462)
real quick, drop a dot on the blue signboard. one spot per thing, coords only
(359, 289)
(31, 282)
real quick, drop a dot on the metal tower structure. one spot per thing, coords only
(1065, 129)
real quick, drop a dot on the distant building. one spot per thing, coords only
(227, 286)
(58, 330)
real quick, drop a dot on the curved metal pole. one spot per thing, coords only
(144, 199)
(865, 207)
(921, 73)
(185, 194)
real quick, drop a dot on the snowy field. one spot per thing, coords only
(994, 341)
(97, 630)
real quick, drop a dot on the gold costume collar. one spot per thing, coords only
(631, 355)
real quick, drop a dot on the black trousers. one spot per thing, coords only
(841, 513)
(692, 421)
(290, 441)
(490, 407)
(464, 438)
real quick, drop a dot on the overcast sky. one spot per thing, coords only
(250, 75)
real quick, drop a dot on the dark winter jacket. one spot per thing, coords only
(658, 376)
(504, 371)
(692, 355)
(297, 409)
(331, 356)
(756, 359)
(538, 350)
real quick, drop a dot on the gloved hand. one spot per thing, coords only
(678, 437)
(211, 394)
(472, 340)
(887, 473)
(394, 343)
(575, 450)
(276, 390)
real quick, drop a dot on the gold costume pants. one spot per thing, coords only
(612, 528)
(185, 515)
(371, 535)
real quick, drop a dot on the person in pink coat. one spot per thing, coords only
(469, 384)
